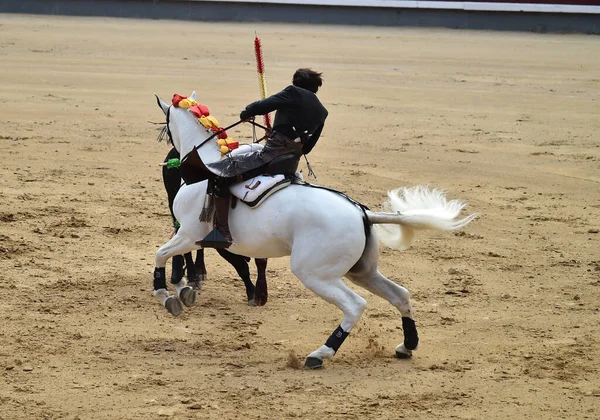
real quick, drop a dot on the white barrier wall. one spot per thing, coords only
(559, 6)
(518, 15)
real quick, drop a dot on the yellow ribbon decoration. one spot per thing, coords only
(187, 103)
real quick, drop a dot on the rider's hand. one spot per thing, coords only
(245, 115)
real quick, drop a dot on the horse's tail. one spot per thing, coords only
(416, 208)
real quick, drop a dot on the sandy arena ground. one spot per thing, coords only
(508, 309)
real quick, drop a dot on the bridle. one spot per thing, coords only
(166, 130)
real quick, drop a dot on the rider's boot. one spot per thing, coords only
(219, 237)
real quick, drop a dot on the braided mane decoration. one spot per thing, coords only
(226, 143)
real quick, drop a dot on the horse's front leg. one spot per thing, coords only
(178, 245)
(240, 264)
(193, 276)
(177, 269)
(260, 294)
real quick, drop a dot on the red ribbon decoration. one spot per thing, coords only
(178, 98)
(199, 110)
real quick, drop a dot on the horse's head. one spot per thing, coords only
(190, 125)
(181, 124)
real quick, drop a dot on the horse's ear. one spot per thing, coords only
(164, 106)
(193, 95)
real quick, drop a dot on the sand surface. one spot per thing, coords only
(508, 309)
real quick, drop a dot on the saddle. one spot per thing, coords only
(255, 191)
(280, 173)
(285, 165)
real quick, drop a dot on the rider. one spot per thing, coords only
(297, 127)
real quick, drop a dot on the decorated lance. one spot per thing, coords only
(260, 67)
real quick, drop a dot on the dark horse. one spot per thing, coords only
(196, 270)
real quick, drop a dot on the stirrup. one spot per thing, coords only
(214, 239)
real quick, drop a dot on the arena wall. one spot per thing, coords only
(517, 15)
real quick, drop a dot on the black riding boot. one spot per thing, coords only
(219, 237)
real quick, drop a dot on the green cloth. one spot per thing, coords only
(173, 163)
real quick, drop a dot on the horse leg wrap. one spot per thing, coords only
(411, 338)
(160, 278)
(336, 339)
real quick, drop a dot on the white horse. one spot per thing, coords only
(326, 235)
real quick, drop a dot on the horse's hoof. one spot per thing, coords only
(251, 302)
(195, 284)
(174, 306)
(313, 363)
(188, 296)
(402, 352)
(260, 300)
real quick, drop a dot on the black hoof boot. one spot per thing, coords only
(411, 338)
(313, 363)
(215, 239)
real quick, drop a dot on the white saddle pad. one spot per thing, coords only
(255, 190)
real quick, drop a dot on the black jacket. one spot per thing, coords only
(299, 114)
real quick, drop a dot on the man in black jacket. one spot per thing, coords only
(299, 121)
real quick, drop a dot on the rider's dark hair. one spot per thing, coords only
(308, 79)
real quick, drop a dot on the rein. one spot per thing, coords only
(216, 133)
(225, 129)
(259, 125)
(255, 124)
(166, 130)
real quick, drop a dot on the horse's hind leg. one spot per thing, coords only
(320, 279)
(334, 291)
(178, 245)
(366, 275)
(398, 296)
(261, 294)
